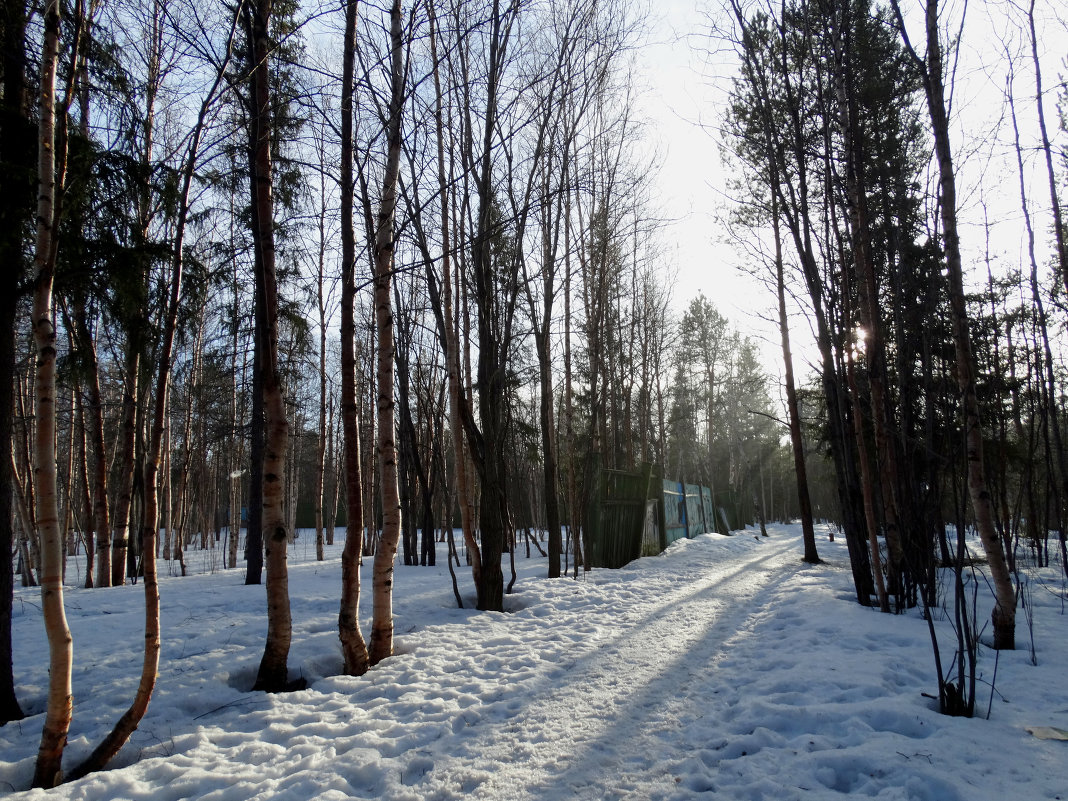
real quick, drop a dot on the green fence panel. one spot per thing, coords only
(652, 537)
(674, 511)
(712, 523)
(618, 514)
(633, 513)
(695, 517)
(727, 507)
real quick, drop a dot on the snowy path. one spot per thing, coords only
(624, 704)
(722, 670)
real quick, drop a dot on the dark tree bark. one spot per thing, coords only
(353, 646)
(495, 299)
(17, 172)
(111, 567)
(786, 142)
(324, 432)
(254, 524)
(550, 471)
(414, 469)
(408, 457)
(797, 445)
(94, 431)
(931, 69)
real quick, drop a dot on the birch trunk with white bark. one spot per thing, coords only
(381, 644)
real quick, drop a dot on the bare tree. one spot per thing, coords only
(129, 721)
(51, 163)
(273, 672)
(1046, 373)
(931, 67)
(495, 302)
(353, 646)
(321, 306)
(793, 410)
(1059, 233)
(447, 329)
(381, 644)
(573, 71)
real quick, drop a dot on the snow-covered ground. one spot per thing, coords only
(722, 669)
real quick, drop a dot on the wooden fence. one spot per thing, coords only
(639, 513)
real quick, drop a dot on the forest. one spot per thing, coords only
(400, 268)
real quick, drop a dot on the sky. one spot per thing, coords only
(688, 74)
(724, 669)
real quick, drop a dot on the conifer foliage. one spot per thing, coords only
(403, 269)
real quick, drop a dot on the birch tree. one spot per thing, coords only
(129, 721)
(381, 644)
(272, 675)
(50, 164)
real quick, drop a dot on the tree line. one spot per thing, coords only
(386, 267)
(941, 371)
(400, 268)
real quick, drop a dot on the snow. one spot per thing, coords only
(724, 668)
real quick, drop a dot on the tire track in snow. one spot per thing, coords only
(623, 704)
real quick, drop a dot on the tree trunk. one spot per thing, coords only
(254, 525)
(111, 568)
(113, 743)
(353, 647)
(85, 498)
(435, 481)
(407, 457)
(868, 314)
(272, 675)
(551, 476)
(124, 552)
(237, 439)
(166, 503)
(331, 459)
(794, 205)
(1055, 446)
(320, 451)
(414, 468)
(866, 483)
(495, 305)
(368, 448)
(66, 479)
(1059, 236)
(573, 516)
(95, 432)
(449, 330)
(804, 501)
(382, 619)
(59, 706)
(1004, 613)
